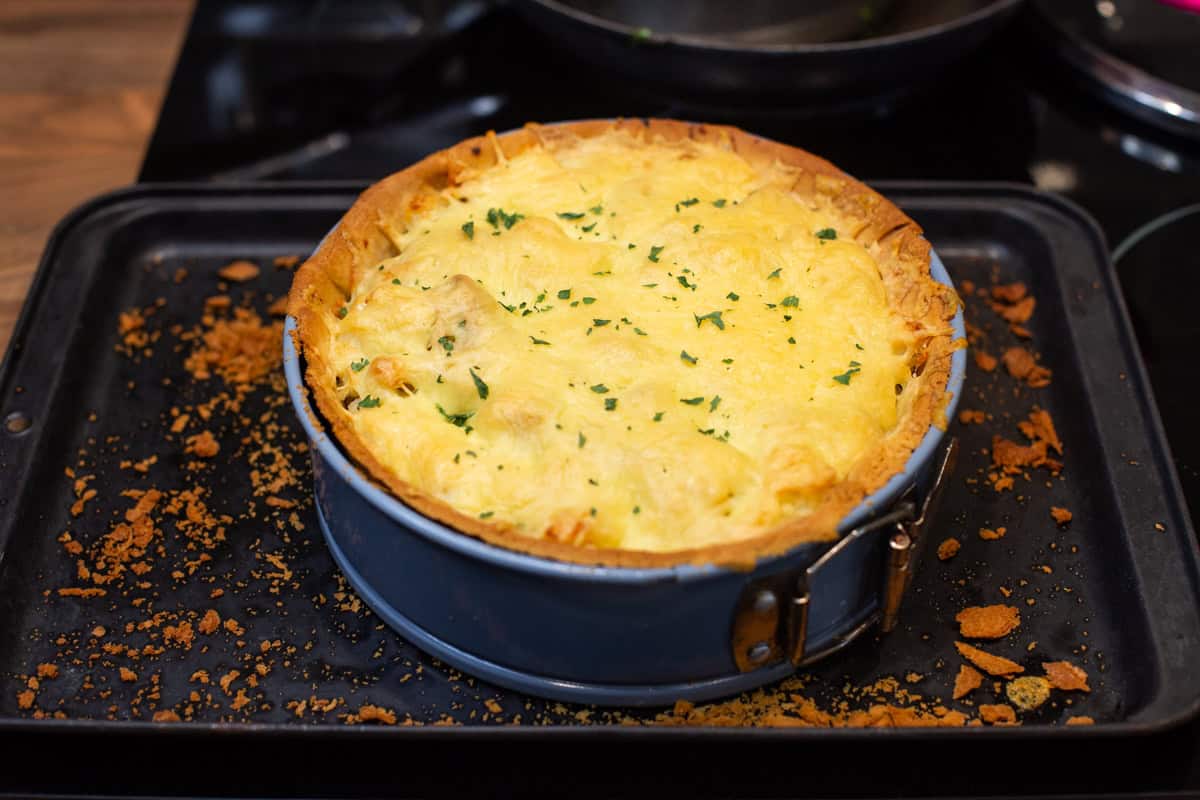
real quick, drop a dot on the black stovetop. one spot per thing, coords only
(319, 90)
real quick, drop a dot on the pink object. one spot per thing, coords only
(1186, 5)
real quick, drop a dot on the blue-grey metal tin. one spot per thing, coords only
(604, 635)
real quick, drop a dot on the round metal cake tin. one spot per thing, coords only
(592, 634)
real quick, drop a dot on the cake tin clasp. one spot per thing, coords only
(771, 620)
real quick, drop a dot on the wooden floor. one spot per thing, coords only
(80, 86)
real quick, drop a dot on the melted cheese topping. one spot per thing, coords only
(621, 344)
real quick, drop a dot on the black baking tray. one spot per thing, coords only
(1119, 586)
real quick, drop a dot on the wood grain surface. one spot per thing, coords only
(80, 86)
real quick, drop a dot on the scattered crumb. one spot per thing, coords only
(990, 534)
(1081, 720)
(1061, 515)
(1021, 364)
(968, 680)
(1028, 693)
(991, 664)
(202, 445)
(999, 714)
(967, 417)
(948, 549)
(985, 361)
(239, 271)
(988, 622)
(1067, 677)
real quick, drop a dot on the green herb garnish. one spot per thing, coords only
(486, 514)
(826, 234)
(447, 343)
(370, 401)
(692, 401)
(582, 440)
(588, 228)
(597, 210)
(654, 251)
(775, 274)
(684, 356)
(716, 401)
(564, 294)
(497, 217)
(691, 201)
(791, 301)
(458, 420)
(536, 340)
(713, 316)
(658, 415)
(480, 386)
(396, 281)
(599, 388)
(469, 229)
(719, 202)
(360, 365)
(587, 301)
(640, 332)
(610, 403)
(696, 228)
(342, 312)
(684, 283)
(569, 215)
(733, 296)
(726, 360)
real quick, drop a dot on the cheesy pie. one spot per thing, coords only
(634, 343)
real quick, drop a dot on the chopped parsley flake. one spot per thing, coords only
(791, 301)
(480, 386)
(342, 312)
(588, 228)
(597, 210)
(826, 234)
(713, 316)
(396, 281)
(684, 283)
(447, 343)
(726, 360)
(486, 514)
(654, 251)
(459, 420)
(719, 202)
(600, 323)
(507, 307)
(587, 301)
(360, 365)
(649, 285)
(844, 378)
(791, 340)
(610, 403)
(564, 294)
(370, 401)
(536, 340)
(469, 229)
(640, 332)
(683, 355)
(716, 401)
(696, 228)
(734, 296)
(582, 440)
(637, 509)
(658, 415)
(858, 346)
(691, 201)
(570, 215)
(599, 388)
(775, 274)
(497, 217)
(692, 401)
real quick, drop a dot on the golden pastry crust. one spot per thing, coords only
(324, 283)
